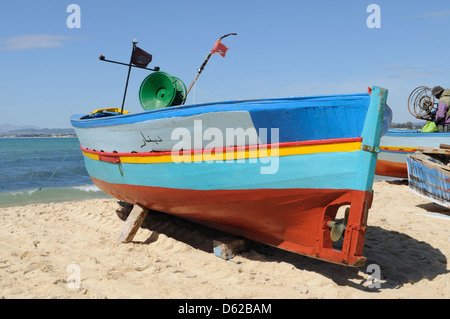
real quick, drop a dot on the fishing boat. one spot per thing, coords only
(276, 170)
(396, 145)
(429, 174)
(309, 156)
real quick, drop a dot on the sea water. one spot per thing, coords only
(42, 170)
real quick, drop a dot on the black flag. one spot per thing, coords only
(140, 58)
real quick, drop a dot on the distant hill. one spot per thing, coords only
(10, 127)
(9, 130)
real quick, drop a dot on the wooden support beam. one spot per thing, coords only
(123, 209)
(132, 224)
(436, 150)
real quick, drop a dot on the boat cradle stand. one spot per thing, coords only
(134, 215)
(134, 220)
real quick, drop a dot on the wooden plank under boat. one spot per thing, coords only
(271, 170)
(429, 174)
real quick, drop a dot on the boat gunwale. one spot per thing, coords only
(424, 162)
(79, 121)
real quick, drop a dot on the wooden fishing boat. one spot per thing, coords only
(271, 170)
(396, 145)
(429, 174)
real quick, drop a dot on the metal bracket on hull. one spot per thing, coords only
(371, 149)
(111, 159)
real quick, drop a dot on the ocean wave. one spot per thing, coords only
(47, 195)
(22, 193)
(88, 188)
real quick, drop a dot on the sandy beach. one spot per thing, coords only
(45, 248)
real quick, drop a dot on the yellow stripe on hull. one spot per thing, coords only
(232, 154)
(398, 148)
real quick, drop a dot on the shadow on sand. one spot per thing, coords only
(400, 258)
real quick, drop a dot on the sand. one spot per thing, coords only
(69, 250)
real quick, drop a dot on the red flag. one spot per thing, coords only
(219, 48)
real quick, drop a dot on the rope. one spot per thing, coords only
(59, 165)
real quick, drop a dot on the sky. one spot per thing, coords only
(49, 66)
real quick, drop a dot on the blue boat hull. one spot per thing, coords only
(429, 179)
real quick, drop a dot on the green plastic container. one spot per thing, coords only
(159, 90)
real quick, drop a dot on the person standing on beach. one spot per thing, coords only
(443, 110)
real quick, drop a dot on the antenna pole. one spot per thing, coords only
(204, 63)
(128, 76)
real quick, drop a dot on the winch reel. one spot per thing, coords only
(421, 103)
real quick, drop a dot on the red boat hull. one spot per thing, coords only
(393, 169)
(291, 219)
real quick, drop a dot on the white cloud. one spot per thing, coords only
(412, 75)
(435, 14)
(411, 72)
(33, 41)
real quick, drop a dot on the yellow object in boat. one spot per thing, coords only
(111, 109)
